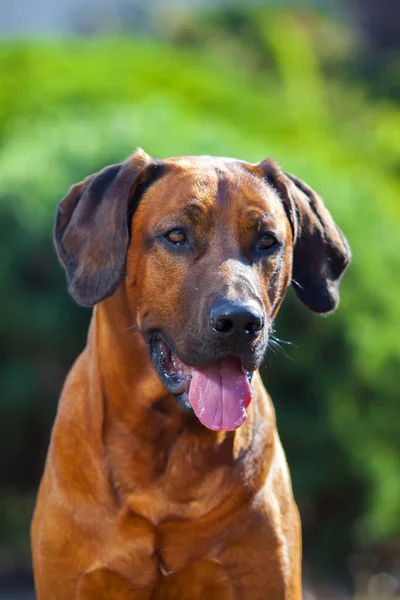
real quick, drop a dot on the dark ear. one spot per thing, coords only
(92, 229)
(321, 252)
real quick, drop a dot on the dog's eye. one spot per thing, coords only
(266, 242)
(176, 237)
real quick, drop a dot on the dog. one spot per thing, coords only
(165, 477)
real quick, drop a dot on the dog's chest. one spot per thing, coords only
(155, 518)
(167, 495)
(180, 496)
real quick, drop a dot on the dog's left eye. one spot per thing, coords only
(266, 242)
(176, 237)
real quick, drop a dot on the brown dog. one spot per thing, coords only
(156, 485)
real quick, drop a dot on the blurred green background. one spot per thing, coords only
(316, 85)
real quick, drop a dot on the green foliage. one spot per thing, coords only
(69, 108)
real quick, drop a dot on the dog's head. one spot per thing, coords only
(206, 248)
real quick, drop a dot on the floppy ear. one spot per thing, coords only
(321, 252)
(92, 229)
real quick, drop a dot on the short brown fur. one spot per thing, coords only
(139, 500)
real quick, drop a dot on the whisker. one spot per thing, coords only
(271, 347)
(275, 346)
(276, 339)
(129, 328)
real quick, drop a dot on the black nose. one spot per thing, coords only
(227, 317)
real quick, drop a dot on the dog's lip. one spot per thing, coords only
(174, 374)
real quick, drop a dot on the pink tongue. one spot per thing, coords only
(220, 394)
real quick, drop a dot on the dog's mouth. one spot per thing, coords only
(174, 374)
(218, 393)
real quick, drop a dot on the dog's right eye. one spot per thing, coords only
(176, 237)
